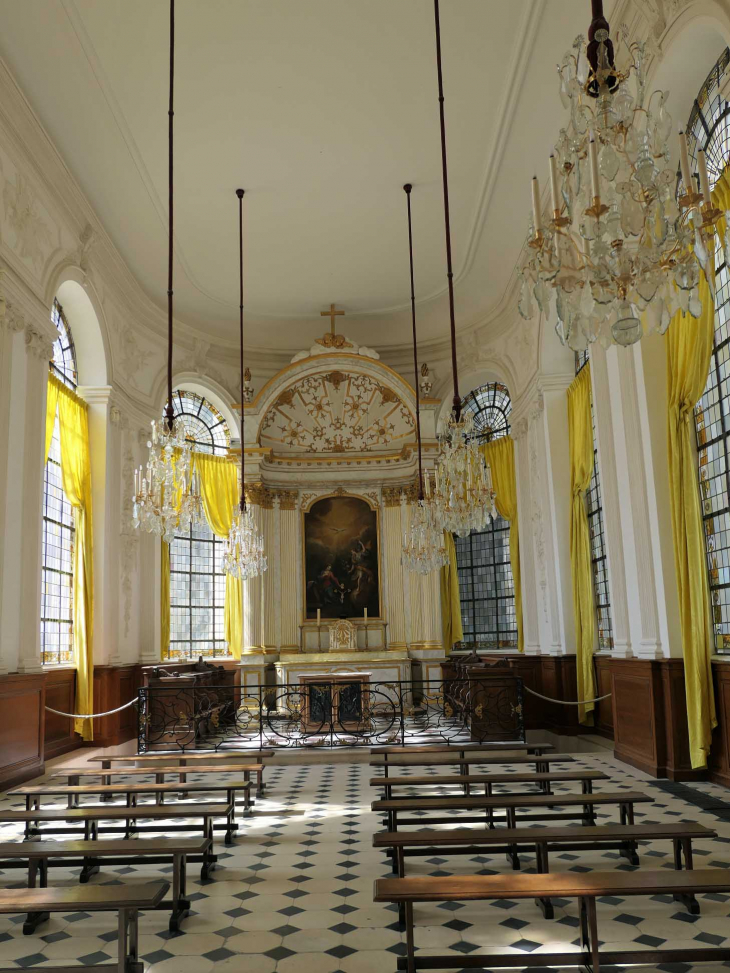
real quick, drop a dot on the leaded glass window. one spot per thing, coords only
(197, 580)
(486, 586)
(599, 558)
(709, 128)
(490, 406)
(59, 530)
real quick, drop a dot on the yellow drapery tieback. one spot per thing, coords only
(73, 427)
(220, 491)
(689, 344)
(451, 627)
(500, 455)
(580, 434)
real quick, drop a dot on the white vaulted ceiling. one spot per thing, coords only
(321, 110)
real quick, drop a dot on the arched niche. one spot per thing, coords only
(469, 380)
(85, 317)
(691, 45)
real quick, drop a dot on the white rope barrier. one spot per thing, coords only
(567, 702)
(91, 716)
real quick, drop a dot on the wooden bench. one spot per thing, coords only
(126, 900)
(74, 775)
(90, 817)
(509, 803)
(467, 781)
(586, 887)
(186, 758)
(38, 855)
(34, 792)
(461, 764)
(462, 748)
(470, 841)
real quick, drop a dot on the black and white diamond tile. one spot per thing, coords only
(294, 895)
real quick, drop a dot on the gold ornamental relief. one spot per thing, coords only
(337, 412)
(337, 341)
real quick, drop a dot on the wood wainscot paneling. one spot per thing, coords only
(22, 698)
(113, 687)
(603, 713)
(638, 714)
(560, 681)
(720, 753)
(59, 735)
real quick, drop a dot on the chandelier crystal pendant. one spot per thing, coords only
(619, 243)
(167, 492)
(424, 549)
(463, 494)
(243, 553)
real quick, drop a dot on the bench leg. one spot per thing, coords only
(208, 857)
(106, 779)
(180, 905)
(592, 944)
(90, 867)
(260, 787)
(410, 947)
(34, 919)
(183, 779)
(541, 862)
(128, 943)
(684, 846)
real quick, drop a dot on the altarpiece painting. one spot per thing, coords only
(341, 561)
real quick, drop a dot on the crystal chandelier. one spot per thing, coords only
(463, 486)
(167, 493)
(424, 550)
(618, 243)
(243, 553)
(463, 494)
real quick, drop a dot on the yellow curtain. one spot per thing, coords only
(451, 627)
(220, 491)
(164, 599)
(689, 349)
(73, 423)
(501, 458)
(580, 432)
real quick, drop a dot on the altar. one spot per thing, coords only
(337, 698)
(382, 669)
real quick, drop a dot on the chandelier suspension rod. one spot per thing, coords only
(447, 220)
(169, 411)
(408, 187)
(239, 193)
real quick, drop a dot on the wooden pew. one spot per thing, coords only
(185, 758)
(125, 900)
(34, 792)
(37, 856)
(467, 781)
(586, 887)
(471, 841)
(74, 775)
(461, 764)
(509, 803)
(89, 818)
(461, 749)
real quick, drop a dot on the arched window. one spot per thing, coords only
(599, 559)
(486, 586)
(709, 129)
(490, 407)
(58, 522)
(197, 580)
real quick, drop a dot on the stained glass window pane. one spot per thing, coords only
(486, 587)
(197, 581)
(59, 531)
(709, 129)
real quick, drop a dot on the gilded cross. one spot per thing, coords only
(331, 314)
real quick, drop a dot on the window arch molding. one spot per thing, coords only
(206, 388)
(77, 297)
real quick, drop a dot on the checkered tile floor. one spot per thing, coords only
(295, 893)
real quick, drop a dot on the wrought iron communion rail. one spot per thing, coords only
(336, 713)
